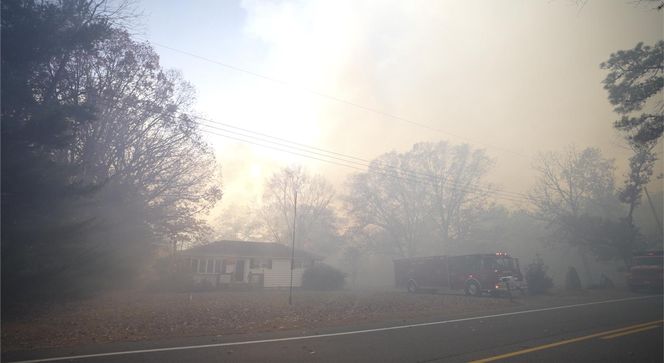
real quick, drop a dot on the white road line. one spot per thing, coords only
(230, 344)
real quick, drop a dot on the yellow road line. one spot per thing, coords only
(629, 332)
(563, 342)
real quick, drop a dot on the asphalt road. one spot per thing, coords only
(624, 330)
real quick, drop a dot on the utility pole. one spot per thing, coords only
(654, 212)
(292, 259)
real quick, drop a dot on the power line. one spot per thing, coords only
(336, 99)
(387, 174)
(335, 155)
(284, 145)
(392, 175)
(384, 172)
(279, 138)
(333, 98)
(363, 162)
(412, 174)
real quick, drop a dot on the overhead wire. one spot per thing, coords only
(332, 98)
(379, 171)
(366, 164)
(341, 159)
(324, 156)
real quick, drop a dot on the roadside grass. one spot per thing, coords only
(139, 315)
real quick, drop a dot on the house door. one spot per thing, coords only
(239, 271)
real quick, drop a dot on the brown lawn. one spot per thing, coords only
(139, 315)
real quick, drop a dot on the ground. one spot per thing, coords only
(140, 315)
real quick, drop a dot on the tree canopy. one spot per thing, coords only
(575, 194)
(634, 83)
(421, 200)
(101, 160)
(316, 225)
(636, 77)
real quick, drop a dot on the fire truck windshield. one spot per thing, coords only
(499, 263)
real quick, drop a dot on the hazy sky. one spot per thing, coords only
(512, 77)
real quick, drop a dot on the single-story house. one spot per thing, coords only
(264, 264)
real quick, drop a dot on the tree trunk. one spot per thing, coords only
(586, 265)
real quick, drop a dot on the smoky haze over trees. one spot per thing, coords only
(240, 222)
(104, 164)
(318, 223)
(572, 187)
(101, 161)
(316, 220)
(420, 201)
(575, 192)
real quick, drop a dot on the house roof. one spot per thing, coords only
(249, 249)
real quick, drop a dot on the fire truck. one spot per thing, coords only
(493, 273)
(646, 271)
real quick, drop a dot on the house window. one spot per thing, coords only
(194, 265)
(202, 266)
(217, 266)
(254, 263)
(229, 267)
(210, 266)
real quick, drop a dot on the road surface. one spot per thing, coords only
(621, 330)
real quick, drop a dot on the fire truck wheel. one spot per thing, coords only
(412, 287)
(472, 288)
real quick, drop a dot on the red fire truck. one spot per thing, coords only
(646, 271)
(476, 274)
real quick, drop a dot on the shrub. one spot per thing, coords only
(536, 276)
(322, 277)
(572, 280)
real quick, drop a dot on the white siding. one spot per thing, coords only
(279, 274)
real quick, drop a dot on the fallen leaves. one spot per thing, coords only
(137, 315)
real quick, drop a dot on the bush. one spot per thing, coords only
(572, 280)
(538, 280)
(322, 277)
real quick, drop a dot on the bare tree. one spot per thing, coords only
(101, 159)
(424, 199)
(571, 182)
(573, 185)
(314, 197)
(144, 144)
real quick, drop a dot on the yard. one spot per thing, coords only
(138, 315)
